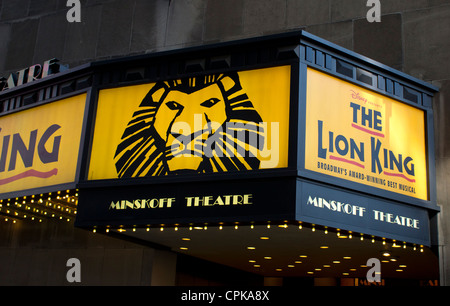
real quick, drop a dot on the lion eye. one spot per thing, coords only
(174, 105)
(210, 102)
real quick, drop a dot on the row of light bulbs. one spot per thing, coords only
(342, 234)
(56, 205)
(67, 211)
(313, 227)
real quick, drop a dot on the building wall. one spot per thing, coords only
(37, 254)
(412, 37)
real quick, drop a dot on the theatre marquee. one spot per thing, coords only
(284, 128)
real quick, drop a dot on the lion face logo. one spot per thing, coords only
(201, 125)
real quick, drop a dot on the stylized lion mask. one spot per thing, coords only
(200, 124)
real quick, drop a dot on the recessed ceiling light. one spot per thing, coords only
(267, 257)
(336, 261)
(324, 247)
(303, 256)
(291, 266)
(347, 257)
(386, 254)
(279, 270)
(264, 238)
(183, 248)
(186, 239)
(250, 248)
(251, 260)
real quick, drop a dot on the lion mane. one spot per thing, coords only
(143, 152)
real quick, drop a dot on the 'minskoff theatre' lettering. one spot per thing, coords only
(227, 200)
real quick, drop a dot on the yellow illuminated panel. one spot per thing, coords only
(211, 123)
(361, 136)
(39, 147)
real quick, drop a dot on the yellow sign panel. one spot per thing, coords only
(361, 136)
(212, 123)
(39, 147)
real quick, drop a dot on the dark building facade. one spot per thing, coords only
(128, 44)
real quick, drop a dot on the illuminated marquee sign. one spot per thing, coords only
(319, 204)
(358, 135)
(171, 203)
(212, 123)
(39, 147)
(261, 129)
(196, 137)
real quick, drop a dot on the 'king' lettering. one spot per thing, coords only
(376, 146)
